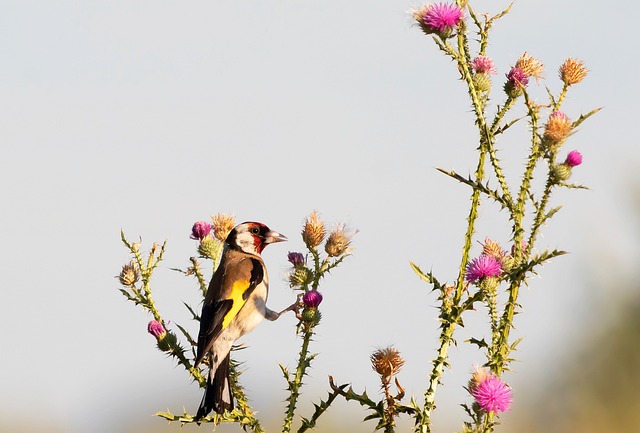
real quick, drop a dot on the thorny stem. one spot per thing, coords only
(303, 363)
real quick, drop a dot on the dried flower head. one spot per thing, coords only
(478, 375)
(439, 18)
(530, 66)
(338, 242)
(156, 329)
(574, 158)
(222, 225)
(483, 267)
(314, 232)
(493, 249)
(557, 128)
(312, 299)
(572, 71)
(483, 65)
(386, 362)
(129, 274)
(492, 394)
(200, 230)
(296, 259)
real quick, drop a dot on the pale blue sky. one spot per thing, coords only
(150, 115)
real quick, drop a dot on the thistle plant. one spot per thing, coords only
(324, 253)
(488, 282)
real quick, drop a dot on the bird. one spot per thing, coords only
(234, 304)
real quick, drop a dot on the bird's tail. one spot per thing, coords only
(217, 394)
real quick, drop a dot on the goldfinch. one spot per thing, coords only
(234, 304)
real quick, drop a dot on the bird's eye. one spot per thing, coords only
(255, 230)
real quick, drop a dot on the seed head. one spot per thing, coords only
(478, 375)
(572, 71)
(222, 225)
(530, 66)
(386, 362)
(338, 242)
(129, 274)
(493, 249)
(557, 128)
(314, 232)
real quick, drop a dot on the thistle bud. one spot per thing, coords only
(156, 329)
(129, 274)
(312, 299)
(311, 316)
(562, 172)
(314, 232)
(210, 248)
(482, 82)
(296, 259)
(574, 158)
(300, 277)
(200, 230)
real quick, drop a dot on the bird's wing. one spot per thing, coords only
(233, 289)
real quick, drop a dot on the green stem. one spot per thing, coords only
(446, 336)
(296, 384)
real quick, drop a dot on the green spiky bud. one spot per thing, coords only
(482, 82)
(311, 316)
(210, 248)
(301, 277)
(167, 342)
(562, 172)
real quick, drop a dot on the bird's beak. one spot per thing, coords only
(273, 237)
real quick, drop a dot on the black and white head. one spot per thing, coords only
(252, 237)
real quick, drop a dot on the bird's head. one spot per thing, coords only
(251, 237)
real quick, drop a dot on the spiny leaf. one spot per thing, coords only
(195, 316)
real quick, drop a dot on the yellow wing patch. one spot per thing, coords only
(238, 289)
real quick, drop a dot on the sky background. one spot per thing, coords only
(147, 116)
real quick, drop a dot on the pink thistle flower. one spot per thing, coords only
(482, 267)
(312, 299)
(200, 230)
(484, 65)
(156, 329)
(492, 395)
(296, 259)
(574, 158)
(439, 18)
(517, 77)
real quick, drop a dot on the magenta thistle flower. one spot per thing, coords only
(156, 329)
(482, 267)
(483, 65)
(312, 299)
(296, 259)
(574, 158)
(200, 230)
(439, 18)
(517, 77)
(492, 395)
